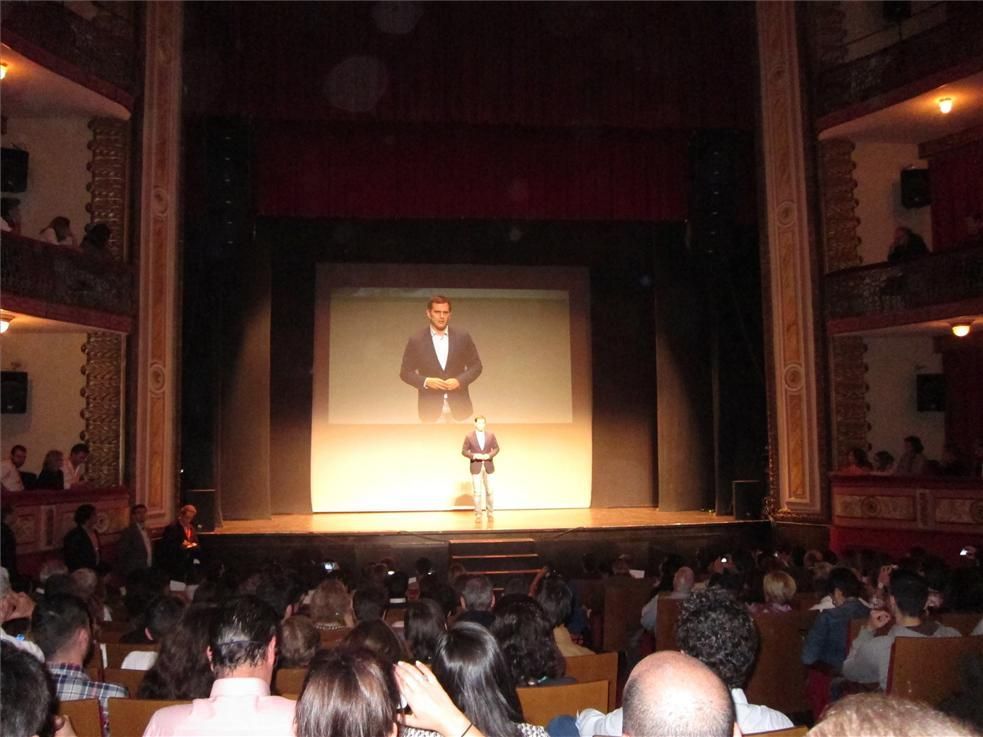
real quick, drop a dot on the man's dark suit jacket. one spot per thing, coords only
(420, 361)
(78, 550)
(471, 447)
(131, 553)
(171, 556)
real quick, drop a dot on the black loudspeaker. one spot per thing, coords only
(228, 187)
(13, 392)
(13, 170)
(748, 498)
(931, 392)
(895, 11)
(713, 158)
(204, 501)
(915, 191)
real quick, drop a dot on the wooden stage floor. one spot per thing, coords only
(509, 520)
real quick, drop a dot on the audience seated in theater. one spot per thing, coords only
(883, 463)
(377, 636)
(10, 478)
(59, 232)
(81, 547)
(455, 571)
(331, 606)
(877, 715)
(10, 221)
(95, 242)
(27, 697)
(912, 461)
(87, 586)
(369, 603)
(442, 593)
(8, 546)
(179, 548)
(281, 590)
(526, 638)
(353, 693)
(299, 640)
(671, 693)
(779, 592)
(163, 616)
(857, 464)
(826, 642)
(397, 584)
(73, 469)
(423, 625)
(952, 462)
(51, 476)
(477, 599)
(242, 650)
(182, 669)
(62, 628)
(556, 598)
(682, 585)
(15, 607)
(870, 656)
(906, 246)
(134, 550)
(471, 668)
(717, 630)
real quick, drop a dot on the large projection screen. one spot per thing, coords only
(370, 449)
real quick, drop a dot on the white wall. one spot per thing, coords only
(878, 194)
(53, 362)
(893, 363)
(57, 174)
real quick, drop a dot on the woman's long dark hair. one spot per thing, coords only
(423, 625)
(526, 638)
(182, 670)
(378, 637)
(470, 666)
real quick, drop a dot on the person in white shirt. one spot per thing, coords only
(59, 232)
(481, 447)
(10, 478)
(73, 467)
(717, 630)
(682, 585)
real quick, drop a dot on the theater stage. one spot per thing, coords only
(561, 536)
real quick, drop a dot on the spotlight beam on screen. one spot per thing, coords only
(370, 451)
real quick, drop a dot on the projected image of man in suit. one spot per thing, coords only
(441, 363)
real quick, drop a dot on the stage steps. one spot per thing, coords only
(498, 558)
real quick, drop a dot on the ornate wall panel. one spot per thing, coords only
(104, 381)
(110, 148)
(158, 322)
(790, 277)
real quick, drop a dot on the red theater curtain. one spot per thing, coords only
(376, 171)
(957, 192)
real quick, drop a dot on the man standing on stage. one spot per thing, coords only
(441, 363)
(481, 447)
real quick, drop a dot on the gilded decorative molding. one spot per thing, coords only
(827, 34)
(104, 381)
(791, 272)
(837, 187)
(159, 328)
(849, 380)
(109, 187)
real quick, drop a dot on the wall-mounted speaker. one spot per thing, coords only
(13, 392)
(915, 190)
(13, 170)
(749, 498)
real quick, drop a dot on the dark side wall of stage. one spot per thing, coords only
(645, 412)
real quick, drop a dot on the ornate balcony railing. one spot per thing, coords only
(884, 294)
(104, 46)
(64, 284)
(949, 45)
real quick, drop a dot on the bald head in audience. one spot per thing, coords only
(673, 695)
(682, 582)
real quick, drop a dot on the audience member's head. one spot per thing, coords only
(243, 638)
(143, 587)
(299, 641)
(85, 516)
(779, 587)
(331, 604)
(397, 584)
(424, 567)
(370, 603)
(182, 669)
(515, 586)
(883, 461)
(470, 666)
(913, 444)
(717, 630)
(877, 715)
(844, 581)
(52, 461)
(348, 693)
(673, 694)
(59, 583)
(26, 694)
(280, 590)
(163, 616)
(79, 454)
(556, 598)
(909, 592)
(423, 624)
(682, 582)
(378, 637)
(526, 638)
(477, 593)
(62, 627)
(444, 594)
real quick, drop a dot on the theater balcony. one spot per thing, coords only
(865, 56)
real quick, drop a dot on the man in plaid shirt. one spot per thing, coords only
(61, 626)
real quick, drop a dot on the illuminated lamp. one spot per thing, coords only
(961, 329)
(945, 105)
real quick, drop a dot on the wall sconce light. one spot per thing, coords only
(5, 323)
(961, 329)
(3, 70)
(945, 105)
